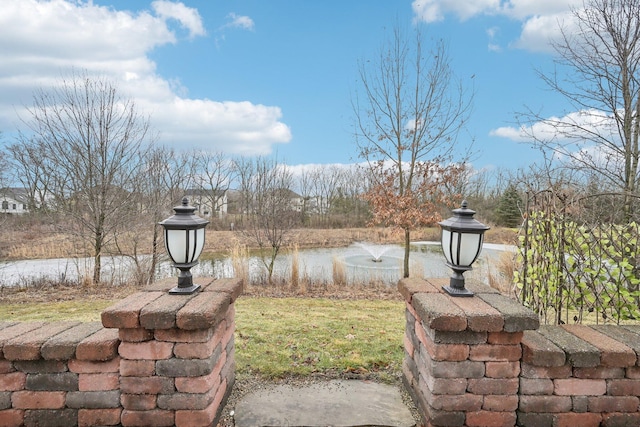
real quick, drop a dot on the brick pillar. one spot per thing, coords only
(177, 353)
(462, 355)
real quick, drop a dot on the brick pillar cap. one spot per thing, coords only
(487, 311)
(196, 311)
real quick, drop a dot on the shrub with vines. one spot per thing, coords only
(570, 272)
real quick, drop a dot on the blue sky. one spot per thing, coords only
(277, 76)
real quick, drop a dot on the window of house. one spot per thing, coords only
(5, 204)
(14, 206)
(24, 207)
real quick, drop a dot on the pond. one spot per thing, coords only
(352, 264)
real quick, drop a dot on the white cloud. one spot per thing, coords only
(36, 32)
(187, 16)
(539, 18)
(572, 139)
(239, 21)
(235, 21)
(523, 9)
(512, 133)
(591, 122)
(539, 31)
(597, 157)
(435, 10)
(42, 41)
(232, 127)
(492, 33)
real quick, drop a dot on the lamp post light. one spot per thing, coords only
(462, 238)
(184, 241)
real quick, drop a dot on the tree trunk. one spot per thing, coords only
(97, 248)
(97, 259)
(407, 250)
(154, 254)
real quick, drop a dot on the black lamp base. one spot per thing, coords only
(456, 283)
(185, 281)
(457, 292)
(182, 290)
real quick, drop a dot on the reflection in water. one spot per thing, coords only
(314, 265)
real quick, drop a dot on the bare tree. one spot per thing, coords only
(348, 201)
(31, 168)
(163, 179)
(306, 191)
(244, 172)
(407, 120)
(5, 161)
(599, 57)
(272, 215)
(326, 179)
(212, 174)
(4, 177)
(484, 188)
(91, 140)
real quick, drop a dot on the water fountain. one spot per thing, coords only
(366, 262)
(376, 251)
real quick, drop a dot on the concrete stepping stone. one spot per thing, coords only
(332, 403)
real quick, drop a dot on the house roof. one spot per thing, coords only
(15, 193)
(202, 192)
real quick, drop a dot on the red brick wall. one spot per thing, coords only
(156, 359)
(485, 361)
(160, 359)
(580, 376)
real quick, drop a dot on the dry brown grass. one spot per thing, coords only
(338, 271)
(295, 268)
(47, 246)
(505, 236)
(501, 275)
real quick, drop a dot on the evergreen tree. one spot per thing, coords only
(508, 211)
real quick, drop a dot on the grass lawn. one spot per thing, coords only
(82, 310)
(276, 337)
(284, 336)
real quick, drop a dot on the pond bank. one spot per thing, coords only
(349, 265)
